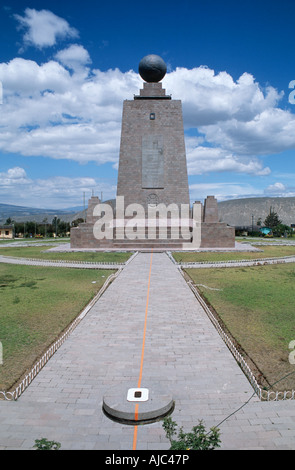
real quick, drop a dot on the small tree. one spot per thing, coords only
(272, 220)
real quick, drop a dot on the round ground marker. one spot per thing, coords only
(137, 405)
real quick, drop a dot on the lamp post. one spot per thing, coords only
(56, 226)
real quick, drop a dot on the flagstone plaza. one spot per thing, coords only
(182, 354)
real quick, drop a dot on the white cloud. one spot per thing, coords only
(43, 28)
(279, 189)
(47, 111)
(239, 120)
(75, 57)
(76, 114)
(78, 142)
(26, 79)
(55, 192)
(202, 160)
(223, 191)
(210, 98)
(13, 177)
(276, 187)
(271, 131)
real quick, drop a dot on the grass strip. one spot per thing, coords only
(36, 305)
(268, 252)
(256, 304)
(41, 252)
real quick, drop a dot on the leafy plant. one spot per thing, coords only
(197, 439)
(44, 444)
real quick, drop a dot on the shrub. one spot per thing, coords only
(44, 444)
(197, 439)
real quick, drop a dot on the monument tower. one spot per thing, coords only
(152, 174)
(152, 164)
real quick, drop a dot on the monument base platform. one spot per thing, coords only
(201, 230)
(156, 237)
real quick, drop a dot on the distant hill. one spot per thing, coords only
(23, 214)
(235, 212)
(238, 212)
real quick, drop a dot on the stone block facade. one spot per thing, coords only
(148, 175)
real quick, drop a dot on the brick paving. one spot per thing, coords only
(183, 354)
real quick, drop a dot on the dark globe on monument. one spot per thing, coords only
(152, 68)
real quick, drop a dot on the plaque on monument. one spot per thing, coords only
(152, 162)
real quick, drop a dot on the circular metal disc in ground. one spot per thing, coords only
(116, 406)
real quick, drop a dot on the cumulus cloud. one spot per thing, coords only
(239, 121)
(202, 160)
(52, 112)
(63, 109)
(279, 190)
(43, 28)
(75, 57)
(223, 191)
(47, 111)
(271, 131)
(14, 176)
(276, 187)
(59, 192)
(209, 98)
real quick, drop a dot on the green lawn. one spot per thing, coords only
(256, 305)
(268, 252)
(37, 252)
(36, 305)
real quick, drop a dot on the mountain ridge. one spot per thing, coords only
(25, 213)
(239, 212)
(235, 212)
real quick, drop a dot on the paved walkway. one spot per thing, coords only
(183, 354)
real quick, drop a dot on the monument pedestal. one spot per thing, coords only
(214, 234)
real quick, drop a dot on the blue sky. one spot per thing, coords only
(66, 67)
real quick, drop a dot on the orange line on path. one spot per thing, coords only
(135, 428)
(145, 322)
(142, 351)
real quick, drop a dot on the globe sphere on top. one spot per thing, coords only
(152, 68)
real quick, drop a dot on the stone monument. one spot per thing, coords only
(152, 164)
(152, 204)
